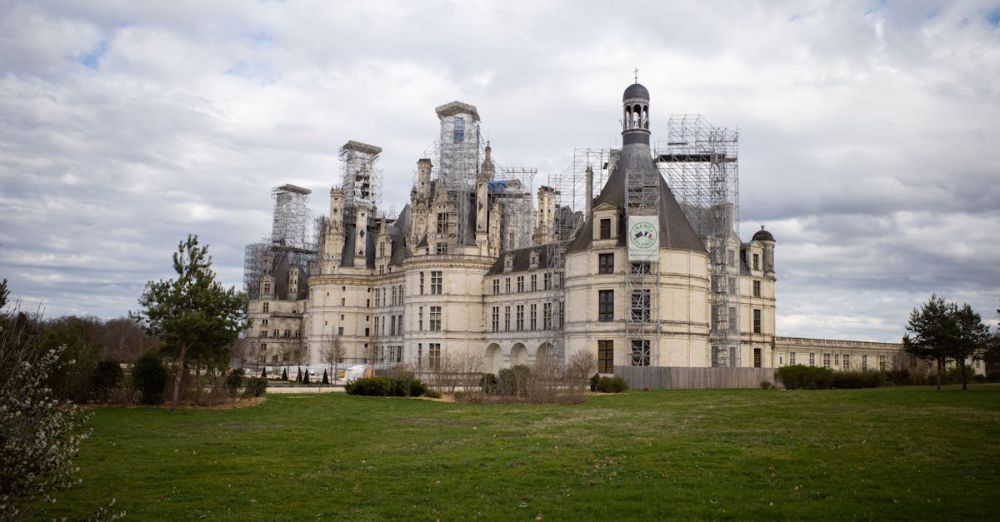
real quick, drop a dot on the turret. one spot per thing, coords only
(545, 226)
(766, 239)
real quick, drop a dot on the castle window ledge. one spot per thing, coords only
(294, 315)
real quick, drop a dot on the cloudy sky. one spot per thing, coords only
(870, 131)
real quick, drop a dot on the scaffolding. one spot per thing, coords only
(292, 217)
(513, 187)
(459, 150)
(599, 161)
(292, 242)
(642, 277)
(700, 163)
(362, 182)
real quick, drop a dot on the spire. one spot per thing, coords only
(488, 169)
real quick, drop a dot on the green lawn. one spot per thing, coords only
(901, 453)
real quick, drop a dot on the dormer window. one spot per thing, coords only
(508, 263)
(605, 229)
(534, 259)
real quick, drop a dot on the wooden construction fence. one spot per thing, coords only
(675, 378)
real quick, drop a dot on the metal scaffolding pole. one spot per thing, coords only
(700, 162)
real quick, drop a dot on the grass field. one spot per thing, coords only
(900, 453)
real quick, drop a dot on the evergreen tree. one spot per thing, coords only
(284, 374)
(298, 377)
(193, 315)
(305, 376)
(263, 373)
(326, 378)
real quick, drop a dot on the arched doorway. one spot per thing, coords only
(494, 358)
(518, 355)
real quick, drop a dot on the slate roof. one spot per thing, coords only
(521, 261)
(675, 230)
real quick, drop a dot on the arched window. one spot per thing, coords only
(645, 116)
(628, 118)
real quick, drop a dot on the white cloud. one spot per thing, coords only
(868, 130)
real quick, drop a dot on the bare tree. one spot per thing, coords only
(579, 368)
(333, 354)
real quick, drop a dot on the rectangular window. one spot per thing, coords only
(267, 307)
(791, 358)
(640, 352)
(340, 330)
(435, 319)
(496, 318)
(732, 286)
(606, 263)
(756, 261)
(546, 316)
(442, 223)
(534, 282)
(507, 285)
(458, 131)
(562, 314)
(605, 229)
(812, 359)
(826, 360)
(847, 362)
(547, 281)
(434, 355)
(392, 327)
(496, 287)
(836, 359)
(420, 319)
(533, 319)
(520, 284)
(506, 318)
(756, 357)
(421, 283)
(864, 362)
(436, 282)
(756, 320)
(605, 305)
(733, 323)
(640, 306)
(605, 356)
(881, 363)
(420, 355)
(756, 288)
(520, 317)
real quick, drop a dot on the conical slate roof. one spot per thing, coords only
(675, 230)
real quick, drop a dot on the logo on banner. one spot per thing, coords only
(643, 235)
(643, 238)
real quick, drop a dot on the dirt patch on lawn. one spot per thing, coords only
(228, 405)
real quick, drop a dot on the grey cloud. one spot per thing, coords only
(868, 129)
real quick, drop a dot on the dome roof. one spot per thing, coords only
(763, 235)
(636, 90)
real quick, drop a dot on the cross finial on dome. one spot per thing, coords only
(636, 73)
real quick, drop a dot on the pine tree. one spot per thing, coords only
(305, 376)
(284, 374)
(193, 315)
(298, 378)
(263, 373)
(326, 378)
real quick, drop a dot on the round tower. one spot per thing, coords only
(635, 115)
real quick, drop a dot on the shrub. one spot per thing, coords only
(107, 376)
(860, 379)
(488, 383)
(255, 387)
(513, 381)
(234, 379)
(596, 378)
(149, 377)
(263, 373)
(954, 375)
(387, 387)
(766, 385)
(611, 385)
(993, 376)
(899, 377)
(804, 377)
(432, 393)
(980, 378)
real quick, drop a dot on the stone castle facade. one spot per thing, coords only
(460, 272)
